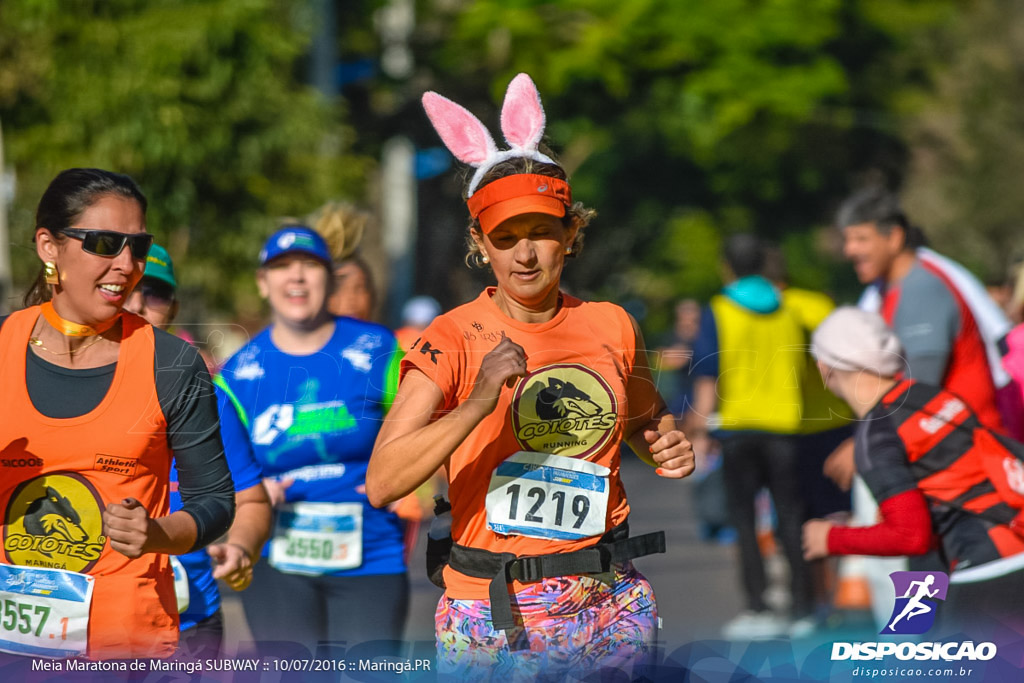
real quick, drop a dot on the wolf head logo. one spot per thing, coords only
(53, 515)
(561, 399)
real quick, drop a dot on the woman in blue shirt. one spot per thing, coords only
(314, 389)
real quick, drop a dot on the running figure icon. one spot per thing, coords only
(915, 606)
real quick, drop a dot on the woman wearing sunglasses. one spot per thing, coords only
(155, 297)
(96, 405)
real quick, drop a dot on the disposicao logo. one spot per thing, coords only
(917, 595)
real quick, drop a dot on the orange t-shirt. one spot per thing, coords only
(579, 391)
(57, 475)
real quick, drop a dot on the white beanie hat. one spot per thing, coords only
(852, 339)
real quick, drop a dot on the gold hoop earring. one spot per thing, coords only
(485, 259)
(50, 274)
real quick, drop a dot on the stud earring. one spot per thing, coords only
(568, 251)
(485, 259)
(50, 274)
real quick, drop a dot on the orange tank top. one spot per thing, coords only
(579, 391)
(58, 474)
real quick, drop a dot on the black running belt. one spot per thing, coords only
(502, 568)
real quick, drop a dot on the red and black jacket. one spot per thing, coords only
(925, 438)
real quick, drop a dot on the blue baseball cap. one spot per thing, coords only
(295, 239)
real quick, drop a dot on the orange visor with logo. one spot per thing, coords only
(517, 194)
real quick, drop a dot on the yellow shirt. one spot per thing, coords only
(822, 410)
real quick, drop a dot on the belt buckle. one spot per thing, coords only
(526, 569)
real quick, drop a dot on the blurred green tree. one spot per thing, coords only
(201, 101)
(683, 120)
(680, 120)
(967, 137)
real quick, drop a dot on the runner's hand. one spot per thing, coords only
(673, 453)
(816, 538)
(128, 527)
(500, 367)
(276, 490)
(232, 564)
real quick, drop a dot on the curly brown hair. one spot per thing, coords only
(576, 215)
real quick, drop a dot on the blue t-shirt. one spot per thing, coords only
(314, 419)
(204, 598)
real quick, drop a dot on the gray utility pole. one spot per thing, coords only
(395, 24)
(324, 54)
(6, 281)
(398, 218)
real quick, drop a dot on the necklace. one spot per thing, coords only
(35, 341)
(73, 329)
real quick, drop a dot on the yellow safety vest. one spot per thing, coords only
(761, 362)
(822, 410)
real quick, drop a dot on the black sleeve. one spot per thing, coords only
(881, 457)
(187, 398)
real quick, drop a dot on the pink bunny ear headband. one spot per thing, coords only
(522, 124)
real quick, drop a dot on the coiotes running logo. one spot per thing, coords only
(565, 409)
(54, 521)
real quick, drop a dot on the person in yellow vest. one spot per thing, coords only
(748, 359)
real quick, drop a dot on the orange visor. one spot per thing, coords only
(517, 194)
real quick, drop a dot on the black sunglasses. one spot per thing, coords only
(156, 293)
(109, 243)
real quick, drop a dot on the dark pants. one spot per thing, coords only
(204, 640)
(751, 461)
(821, 495)
(345, 610)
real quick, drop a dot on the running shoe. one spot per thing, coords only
(756, 626)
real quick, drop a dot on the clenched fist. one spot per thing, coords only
(128, 526)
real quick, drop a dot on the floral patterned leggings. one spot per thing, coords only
(566, 626)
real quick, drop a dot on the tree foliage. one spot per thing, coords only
(683, 121)
(967, 137)
(199, 101)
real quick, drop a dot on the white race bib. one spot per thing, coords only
(316, 538)
(44, 612)
(548, 496)
(180, 584)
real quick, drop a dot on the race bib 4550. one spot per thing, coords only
(318, 538)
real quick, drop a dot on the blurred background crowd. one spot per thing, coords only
(686, 124)
(681, 122)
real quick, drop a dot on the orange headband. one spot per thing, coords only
(517, 194)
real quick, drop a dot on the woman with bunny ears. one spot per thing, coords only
(525, 395)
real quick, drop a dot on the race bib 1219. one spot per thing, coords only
(548, 496)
